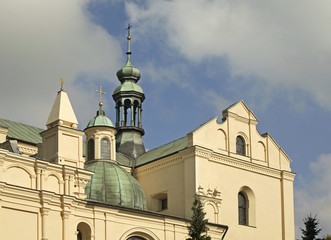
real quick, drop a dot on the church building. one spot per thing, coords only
(100, 183)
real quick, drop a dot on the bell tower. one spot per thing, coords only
(128, 98)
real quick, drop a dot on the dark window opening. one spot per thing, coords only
(164, 204)
(240, 146)
(79, 235)
(242, 209)
(90, 149)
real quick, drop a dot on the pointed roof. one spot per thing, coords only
(62, 112)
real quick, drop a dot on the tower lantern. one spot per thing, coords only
(128, 98)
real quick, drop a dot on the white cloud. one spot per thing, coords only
(42, 41)
(315, 195)
(282, 42)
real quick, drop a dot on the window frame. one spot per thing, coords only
(240, 146)
(105, 149)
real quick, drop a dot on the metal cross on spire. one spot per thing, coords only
(128, 53)
(100, 92)
(128, 28)
(61, 81)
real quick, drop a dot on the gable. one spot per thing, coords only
(239, 109)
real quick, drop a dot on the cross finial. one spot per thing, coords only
(128, 53)
(61, 81)
(100, 92)
(128, 28)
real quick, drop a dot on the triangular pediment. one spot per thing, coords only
(240, 109)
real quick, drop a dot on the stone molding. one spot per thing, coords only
(210, 155)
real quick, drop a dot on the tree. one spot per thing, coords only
(327, 237)
(198, 227)
(311, 229)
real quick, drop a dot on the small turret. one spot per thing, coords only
(62, 142)
(100, 137)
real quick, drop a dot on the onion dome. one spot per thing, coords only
(128, 72)
(112, 184)
(100, 120)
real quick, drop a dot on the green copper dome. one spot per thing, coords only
(128, 72)
(100, 120)
(112, 184)
(128, 86)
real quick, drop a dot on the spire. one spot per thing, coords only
(129, 97)
(62, 112)
(128, 72)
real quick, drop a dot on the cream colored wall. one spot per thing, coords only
(229, 178)
(239, 120)
(63, 145)
(3, 134)
(173, 176)
(41, 175)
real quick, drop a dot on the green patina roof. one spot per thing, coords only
(128, 71)
(123, 160)
(112, 184)
(162, 151)
(23, 132)
(128, 86)
(100, 120)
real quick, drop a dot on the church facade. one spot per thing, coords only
(101, 183)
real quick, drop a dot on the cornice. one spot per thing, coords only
(197, 151)
(158, 164)
(163, 162)
(241, 164)
(288, 175)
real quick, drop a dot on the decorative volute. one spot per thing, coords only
(62, 112)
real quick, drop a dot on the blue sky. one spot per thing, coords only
(196, 58)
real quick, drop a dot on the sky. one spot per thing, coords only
(196, 58)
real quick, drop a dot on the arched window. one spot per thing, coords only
(136, 238)
(83, 231)
(240, 146)
(90, 149)
(105, 148)
(242, 209)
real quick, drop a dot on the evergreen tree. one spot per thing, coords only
(311, 229)
(198, 227)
